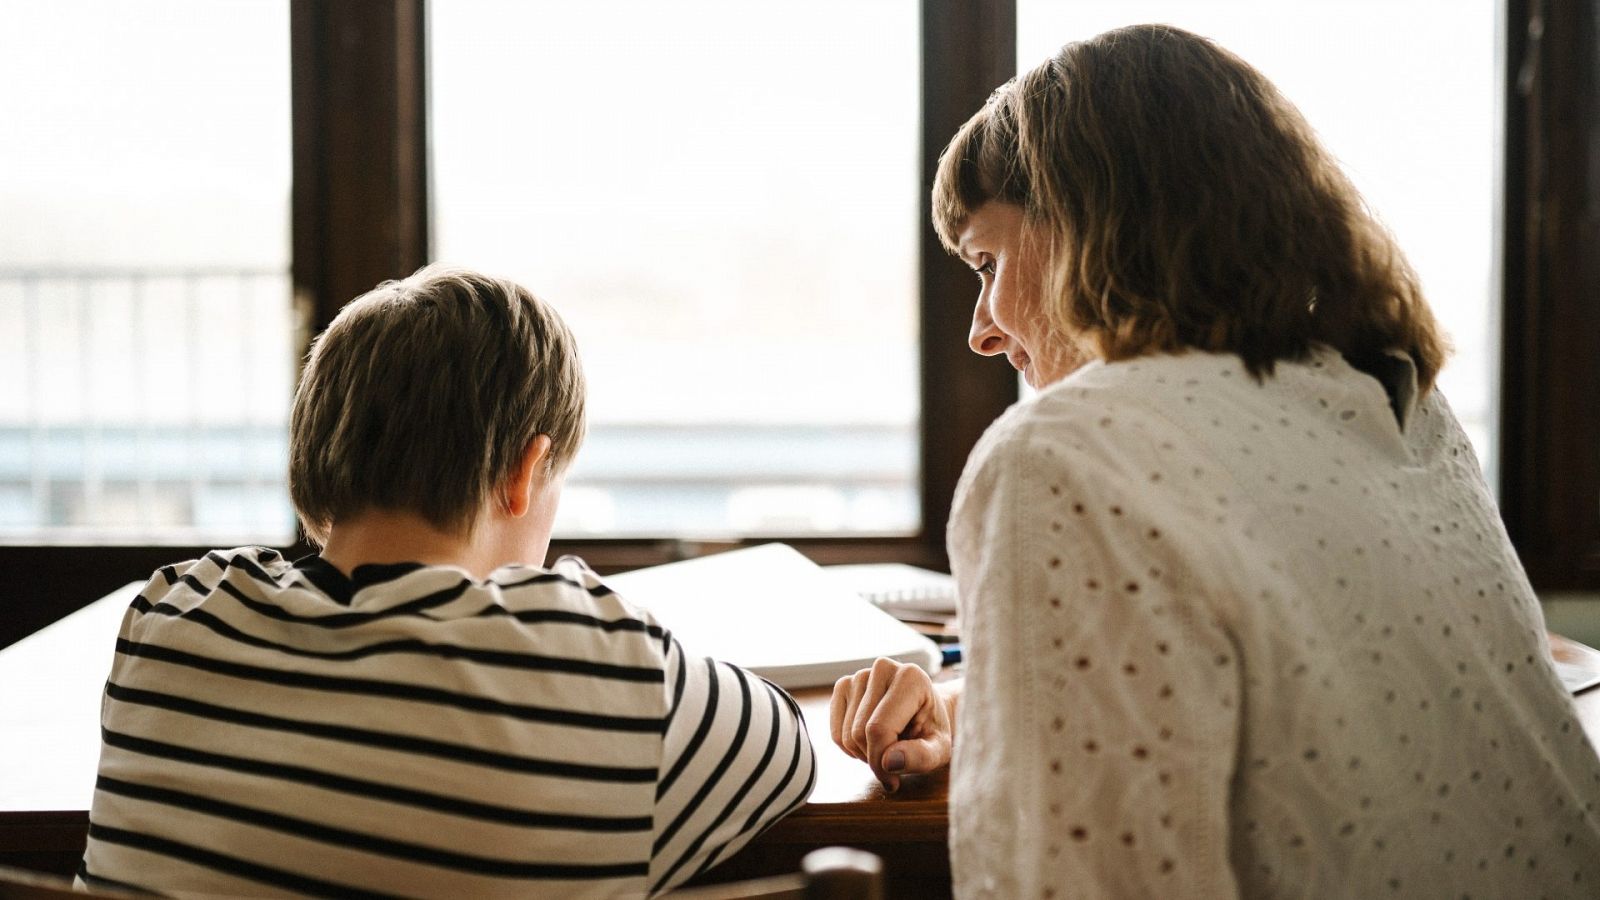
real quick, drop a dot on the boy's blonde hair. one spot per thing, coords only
(422, 396)
(1182, 202)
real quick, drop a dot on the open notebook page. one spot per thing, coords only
(773, 611)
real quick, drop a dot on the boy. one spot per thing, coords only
(414, 711)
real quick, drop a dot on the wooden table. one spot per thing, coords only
(50, 685)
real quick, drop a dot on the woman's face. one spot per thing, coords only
(1009, 317)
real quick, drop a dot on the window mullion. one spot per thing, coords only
(968, 49)
(360, 147)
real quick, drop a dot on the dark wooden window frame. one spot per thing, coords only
(1550, 292)
(361, 215)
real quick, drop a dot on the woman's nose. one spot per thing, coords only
(985, 338)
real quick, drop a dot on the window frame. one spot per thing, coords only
(360, 215)
(1550, 322)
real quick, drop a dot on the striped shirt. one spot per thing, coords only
(277, 728)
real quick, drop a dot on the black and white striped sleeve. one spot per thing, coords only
(736, 758)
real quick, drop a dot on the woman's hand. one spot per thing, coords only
(891, 717)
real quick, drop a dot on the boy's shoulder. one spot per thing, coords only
(190, 580)
(248, 609)
(260, 583)
(570, 584)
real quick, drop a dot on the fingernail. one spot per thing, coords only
(894, 761)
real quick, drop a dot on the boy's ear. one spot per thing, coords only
(530, 473)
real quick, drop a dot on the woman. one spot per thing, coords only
(1240, 613)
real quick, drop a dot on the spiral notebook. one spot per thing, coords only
(906, 592)
(773, 611)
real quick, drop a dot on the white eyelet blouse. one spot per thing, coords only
(1239, 638)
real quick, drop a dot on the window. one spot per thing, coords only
(144, 289)
(726, 217)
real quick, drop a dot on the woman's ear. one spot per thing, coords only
(531, 471)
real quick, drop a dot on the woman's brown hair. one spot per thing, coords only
(1183, 202)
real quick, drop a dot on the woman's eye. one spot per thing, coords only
(985, 269)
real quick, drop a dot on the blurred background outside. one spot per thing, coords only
(720, 197)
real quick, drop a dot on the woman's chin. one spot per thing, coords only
(1037, 379)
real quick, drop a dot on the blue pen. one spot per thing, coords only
(951, 654)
